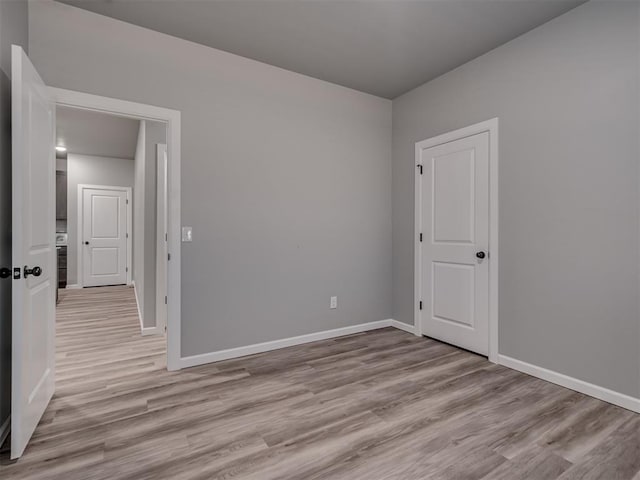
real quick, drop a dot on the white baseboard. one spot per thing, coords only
(144, 331)
(402, 326)
(601, 393)
(201, 359)
(135, 292)
(4, 430)
(73, 286)
(149, 331)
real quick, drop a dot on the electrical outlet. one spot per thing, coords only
(334, 302)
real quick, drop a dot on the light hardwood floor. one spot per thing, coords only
(373, 406)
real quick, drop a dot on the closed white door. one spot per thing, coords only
(104, 237)
(455, 239)
(33, 250)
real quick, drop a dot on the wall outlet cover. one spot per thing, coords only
(334, 302)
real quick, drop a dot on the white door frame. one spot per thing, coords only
(80, 227)
(70, 98)
(161, 244)
(490, 126)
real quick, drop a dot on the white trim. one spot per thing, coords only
(73, 286)
(490, 126)
(201, 359)
(135, 293)
(80, 227)
(5, 429)
(141, 111)
(402, 326)
(620, 399)
(144, 331)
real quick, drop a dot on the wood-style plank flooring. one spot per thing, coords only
(373, 406)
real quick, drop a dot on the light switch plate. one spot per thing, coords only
(187, 234)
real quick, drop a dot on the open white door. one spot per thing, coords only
(34, 250)
(161, 239)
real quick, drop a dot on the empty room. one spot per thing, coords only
(320, 239)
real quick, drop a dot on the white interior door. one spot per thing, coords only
(104, 236)
(455, 224)
(161, 236)
(33, 250)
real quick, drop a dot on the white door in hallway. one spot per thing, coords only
(33, 250)
(104, 236)
(455, 240)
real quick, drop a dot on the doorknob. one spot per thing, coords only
(480, 255)
(35, 271)
(5, 272)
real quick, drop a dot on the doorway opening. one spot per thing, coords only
(107, 217)
(154, 231)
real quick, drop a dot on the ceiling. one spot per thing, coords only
(383, 47)
(84, 132)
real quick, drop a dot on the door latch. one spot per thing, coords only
(35, 271)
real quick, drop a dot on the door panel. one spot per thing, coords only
(104, 261)
(453, 197)
(453, 291)
(455, 215)
(104, 237)
(105, 217)
(33, 245)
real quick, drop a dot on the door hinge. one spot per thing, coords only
(127, 201)
(420, 237)
(166, 237)
(127, 235)
(420, 168)
(165, 299)
(168, 257)
(126, 269)
(420, 304)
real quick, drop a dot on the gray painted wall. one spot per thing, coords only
(90, 170)
(286, 180)
(567, 96)
(13, 30)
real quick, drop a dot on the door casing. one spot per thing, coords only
(172, 119)
(80, 228)
(490, 126)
